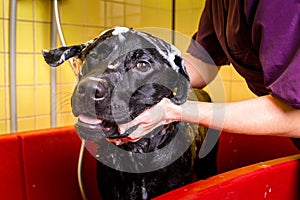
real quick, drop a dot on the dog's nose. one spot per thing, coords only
(101, 91)
(93, 88)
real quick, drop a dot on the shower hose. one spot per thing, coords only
(80, 158)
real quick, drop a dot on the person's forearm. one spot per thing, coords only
(259, 116)
(200, 73)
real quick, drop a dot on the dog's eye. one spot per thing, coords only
(143, 66)
(93, 55)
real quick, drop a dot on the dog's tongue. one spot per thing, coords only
(89, 120)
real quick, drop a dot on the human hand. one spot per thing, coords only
(162, 113)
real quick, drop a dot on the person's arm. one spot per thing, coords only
(200, 73)
(265, 115)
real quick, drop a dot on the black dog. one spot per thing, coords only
(123, 73)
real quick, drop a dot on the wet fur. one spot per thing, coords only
(95, 57)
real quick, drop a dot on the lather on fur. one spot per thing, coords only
(121, 73)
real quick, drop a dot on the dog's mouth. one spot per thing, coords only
(94, 128)
(100, 119)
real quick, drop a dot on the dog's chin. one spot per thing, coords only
(95, 128)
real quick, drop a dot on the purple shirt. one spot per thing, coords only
(260, 38)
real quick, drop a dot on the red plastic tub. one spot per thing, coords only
(276, 180)
(43, 165)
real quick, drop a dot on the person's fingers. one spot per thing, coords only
(138, 133)
(144, 117)
(117, 141)
(148, 118)
(145, 122)
(120, 141)
(144, 129)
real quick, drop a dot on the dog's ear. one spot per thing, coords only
(183, 82)
(55, 57)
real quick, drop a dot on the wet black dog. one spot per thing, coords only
(122, 73)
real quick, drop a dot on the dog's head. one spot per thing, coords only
(120, 74)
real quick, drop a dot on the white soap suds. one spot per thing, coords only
(118, 30)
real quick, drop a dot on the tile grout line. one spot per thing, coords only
(5, 71)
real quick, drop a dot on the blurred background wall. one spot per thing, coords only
(81, 20)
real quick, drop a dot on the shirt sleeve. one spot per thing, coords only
(204, 44)
(278, 24)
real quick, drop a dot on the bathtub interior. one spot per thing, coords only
(43, 165)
